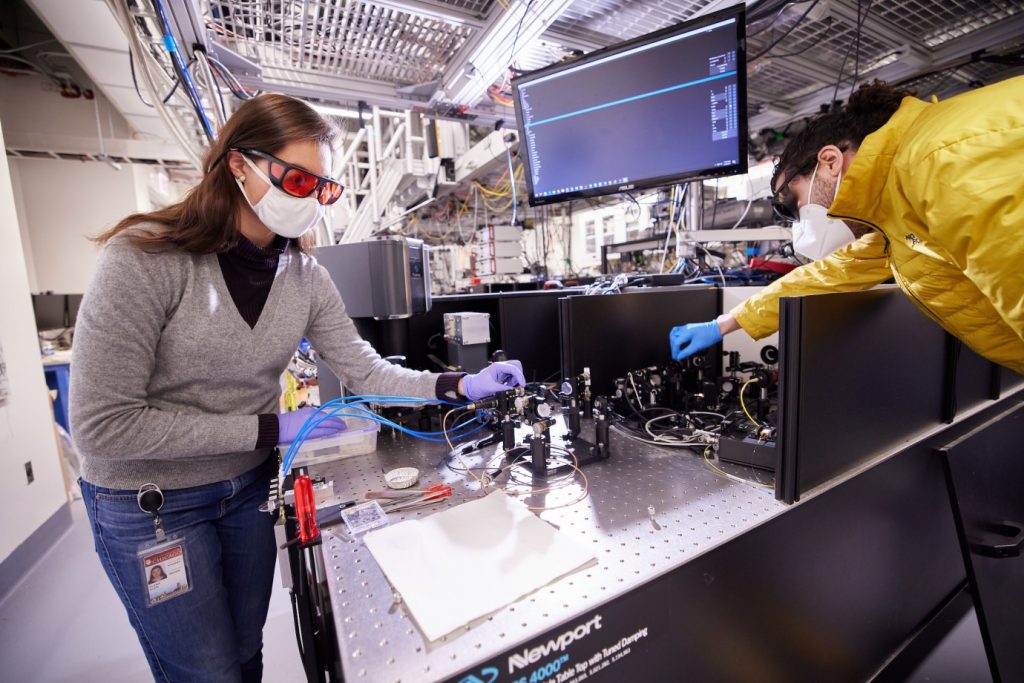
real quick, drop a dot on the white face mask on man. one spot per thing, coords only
(282, 213)
(815, 235)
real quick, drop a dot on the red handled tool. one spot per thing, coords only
(305, 510)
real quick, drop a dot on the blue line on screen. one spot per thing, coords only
(630, 99)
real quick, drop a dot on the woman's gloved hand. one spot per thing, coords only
(686, 340)
(492, 379)
(289, 425)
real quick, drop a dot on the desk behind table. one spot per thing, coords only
(57, 368)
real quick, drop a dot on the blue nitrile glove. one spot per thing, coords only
(289, 425)
(492, 379)
(686, 340)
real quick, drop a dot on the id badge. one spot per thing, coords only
(165, 571)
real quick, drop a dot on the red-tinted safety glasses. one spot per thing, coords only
(297, 181)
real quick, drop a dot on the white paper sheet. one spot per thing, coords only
(468, 561)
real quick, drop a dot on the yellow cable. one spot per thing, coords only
(489, 191)
(721, 472)
(744, 405)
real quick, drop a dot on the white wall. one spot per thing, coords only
(61, 203)
(64, 203)
(26, 423)
(31, 106)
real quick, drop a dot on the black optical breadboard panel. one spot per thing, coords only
(613, 334)
(860, 373)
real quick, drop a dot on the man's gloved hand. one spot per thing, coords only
(686, 340)
(289, 425)
(492, 379)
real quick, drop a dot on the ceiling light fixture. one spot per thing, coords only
(519, 25)
(346, 113)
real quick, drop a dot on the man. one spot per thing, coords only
(930, 194)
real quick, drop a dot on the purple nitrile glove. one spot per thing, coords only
(492, 379)
(687, 340)
(289, 425)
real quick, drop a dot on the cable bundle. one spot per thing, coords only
(352, 406)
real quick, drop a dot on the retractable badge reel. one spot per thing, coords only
(151, 500)
(163, 562)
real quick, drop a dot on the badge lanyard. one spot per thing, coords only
(163, 562)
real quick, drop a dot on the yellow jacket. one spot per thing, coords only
(942, 184)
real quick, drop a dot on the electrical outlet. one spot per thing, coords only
(28, 472)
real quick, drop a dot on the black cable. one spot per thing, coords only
(515, 40)
(784, 35)
(213, 85)
(714, 205)
(135, 82)
(222, 72)
(842, 67)
(785, 6)
(639, 209)
(165, 100)
(295, 620)
(860, 33)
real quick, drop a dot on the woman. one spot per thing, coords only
(157, 574)
(192, 315)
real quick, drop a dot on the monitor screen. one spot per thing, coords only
(55, 311)
(661, 108)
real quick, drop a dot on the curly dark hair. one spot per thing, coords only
(869, 108)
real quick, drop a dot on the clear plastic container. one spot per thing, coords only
(359, 438)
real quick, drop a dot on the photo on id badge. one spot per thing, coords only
(165, 571)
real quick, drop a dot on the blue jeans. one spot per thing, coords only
(215, 631)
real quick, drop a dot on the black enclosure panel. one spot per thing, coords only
(828, 591)
(531, 319)
(426, 332)
(860, 373)
(613, 334)
(497, 287)
(969, 379)
(986, 474)
(529, 333)
(1009, 380)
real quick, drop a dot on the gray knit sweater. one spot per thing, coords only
(168, 379)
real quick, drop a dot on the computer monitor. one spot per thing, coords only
(55, 311)
(665, 107)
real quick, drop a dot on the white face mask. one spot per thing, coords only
(282, 213)
(816, 235)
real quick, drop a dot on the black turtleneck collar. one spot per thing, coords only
(252, 253)
(249, 271)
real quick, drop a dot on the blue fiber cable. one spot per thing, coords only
(179, 62)
(372, 417)
(337, 407)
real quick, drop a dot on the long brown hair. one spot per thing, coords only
(206, 220)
